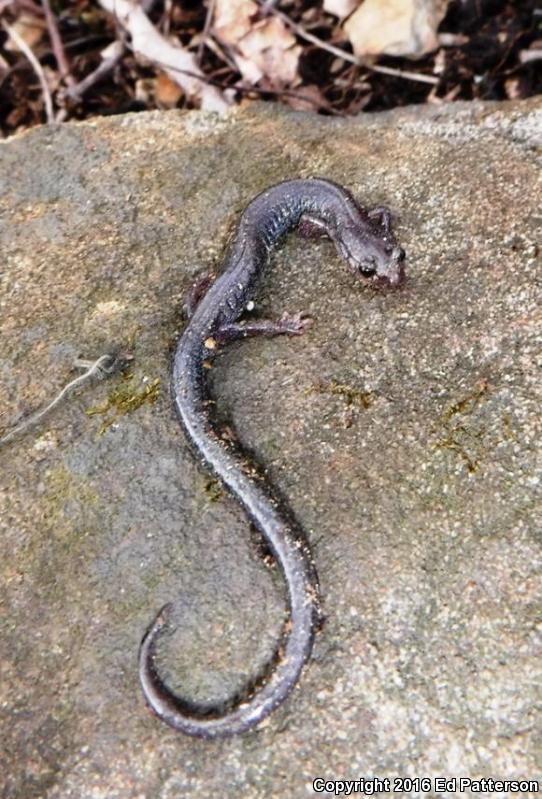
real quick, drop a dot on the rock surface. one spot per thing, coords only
(403, 429)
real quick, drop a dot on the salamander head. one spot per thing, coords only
(371, 250)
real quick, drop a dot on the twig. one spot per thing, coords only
(216, 48)
(56, 44)
(165, 20)
(105, 366)
(76, 92)
(206, 27)
(149, 43)
(404, 73)
(336, 51)
(36, 66)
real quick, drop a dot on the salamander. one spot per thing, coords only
(364, 239)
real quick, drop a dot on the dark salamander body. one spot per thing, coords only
(365, 240)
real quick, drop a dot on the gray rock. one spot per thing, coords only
(403, 430)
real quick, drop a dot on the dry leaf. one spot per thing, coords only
(167, 93)
(250, 71)
(148, 43)
(273, 49)
(113, 50)
(144, 90)
(439, 67)
(29, 28)
(512, 88)
(232, 19)
(395, 27)
(261, 49)
(340, 8)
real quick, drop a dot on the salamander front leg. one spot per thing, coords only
(382, 216)
(289, 324)
(196, 292)
(311, 228)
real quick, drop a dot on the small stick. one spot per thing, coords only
(56, 43)
(336, 51)
(403, 73)
(105, 366)
(76, 92)
(165, 20)
(25, 49)
(206, 27)
(219, 51)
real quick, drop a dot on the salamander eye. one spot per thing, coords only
(368, 267)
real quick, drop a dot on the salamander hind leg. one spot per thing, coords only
(290, 324)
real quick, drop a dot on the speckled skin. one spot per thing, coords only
(364, 239)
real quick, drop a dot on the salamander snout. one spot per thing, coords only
(374, 254)
(393, 272)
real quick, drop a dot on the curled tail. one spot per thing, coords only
(294, 559)
(179, 713)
